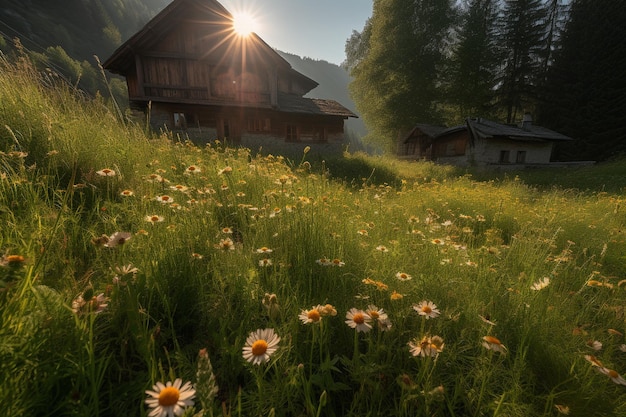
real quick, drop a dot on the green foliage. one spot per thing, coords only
(90, 322)
(396, 84)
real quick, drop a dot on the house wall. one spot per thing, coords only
(489, 152)
(256, 129)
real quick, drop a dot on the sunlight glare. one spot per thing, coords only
(244, 23)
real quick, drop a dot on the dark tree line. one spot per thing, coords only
(440, 61)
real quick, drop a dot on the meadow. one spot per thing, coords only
(143, 275)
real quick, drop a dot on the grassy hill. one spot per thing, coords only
(361, 286)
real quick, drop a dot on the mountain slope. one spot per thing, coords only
(333, 84)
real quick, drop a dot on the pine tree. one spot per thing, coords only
(475, 62)
(585, 89)
(522, 38)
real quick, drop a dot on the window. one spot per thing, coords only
(180, 121)
(258, 125)
(292, 133)
(505, 157)
(521, 157)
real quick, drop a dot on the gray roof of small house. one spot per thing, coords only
(428, 130)
(528, 132)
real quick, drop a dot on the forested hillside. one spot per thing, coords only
(418, 61)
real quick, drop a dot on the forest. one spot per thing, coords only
(439, 62)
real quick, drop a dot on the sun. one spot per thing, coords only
(244, 23)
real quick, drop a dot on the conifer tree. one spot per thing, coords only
(522, 38)
(474, 62)
(586, 86)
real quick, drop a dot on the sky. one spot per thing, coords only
(316, 29)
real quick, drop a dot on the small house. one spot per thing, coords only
(190, 73)
(482, 142)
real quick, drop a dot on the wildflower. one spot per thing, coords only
(323, 262)
(165, 199)
(313, 315)
(395, 295)
(363, 232)
(227, 230)
(260, 346)
(403, 276)
(562, 409)
(615, 377)
(127, 193)
(226, 244)
(359, 320)
(426, 347)
(337, 262)
(541, 284)
(179, 187)
(106, 172)
(192, 169)
(270, 301)
(487, 320)
(225, 171)
(265, 262)
(206, 385)
(428, 309)
(95, 303)
(615, 332)
(264, 250)
(384, 325)
(594, 344)
(492, 343)
(376, 314)
(593, 360)
(154, 218)
(12, 261)
(117, 239)
(170, 399)
(328, 310)
(437, 242)
(382, 248)
(155, 178)
(622, 347)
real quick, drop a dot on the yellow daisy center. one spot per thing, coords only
(314, 315)
(426, 309)
(613, 374)
(358, 318)
(374, 314)
(168, 396)
(259, 347)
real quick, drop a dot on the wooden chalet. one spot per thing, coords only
(482, 142)
(191, 73)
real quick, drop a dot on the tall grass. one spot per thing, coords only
(247, 243)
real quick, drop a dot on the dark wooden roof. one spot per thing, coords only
(425, 129)
(527, 132)
(209, 12)
(296, 104)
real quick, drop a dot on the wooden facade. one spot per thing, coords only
(190, 72)
(482, 142)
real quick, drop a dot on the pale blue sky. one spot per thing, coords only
(316, 29)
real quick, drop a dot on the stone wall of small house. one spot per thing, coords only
(487, 152)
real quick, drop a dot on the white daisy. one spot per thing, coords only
(170, 399)
(260, 346)
(359, 320)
